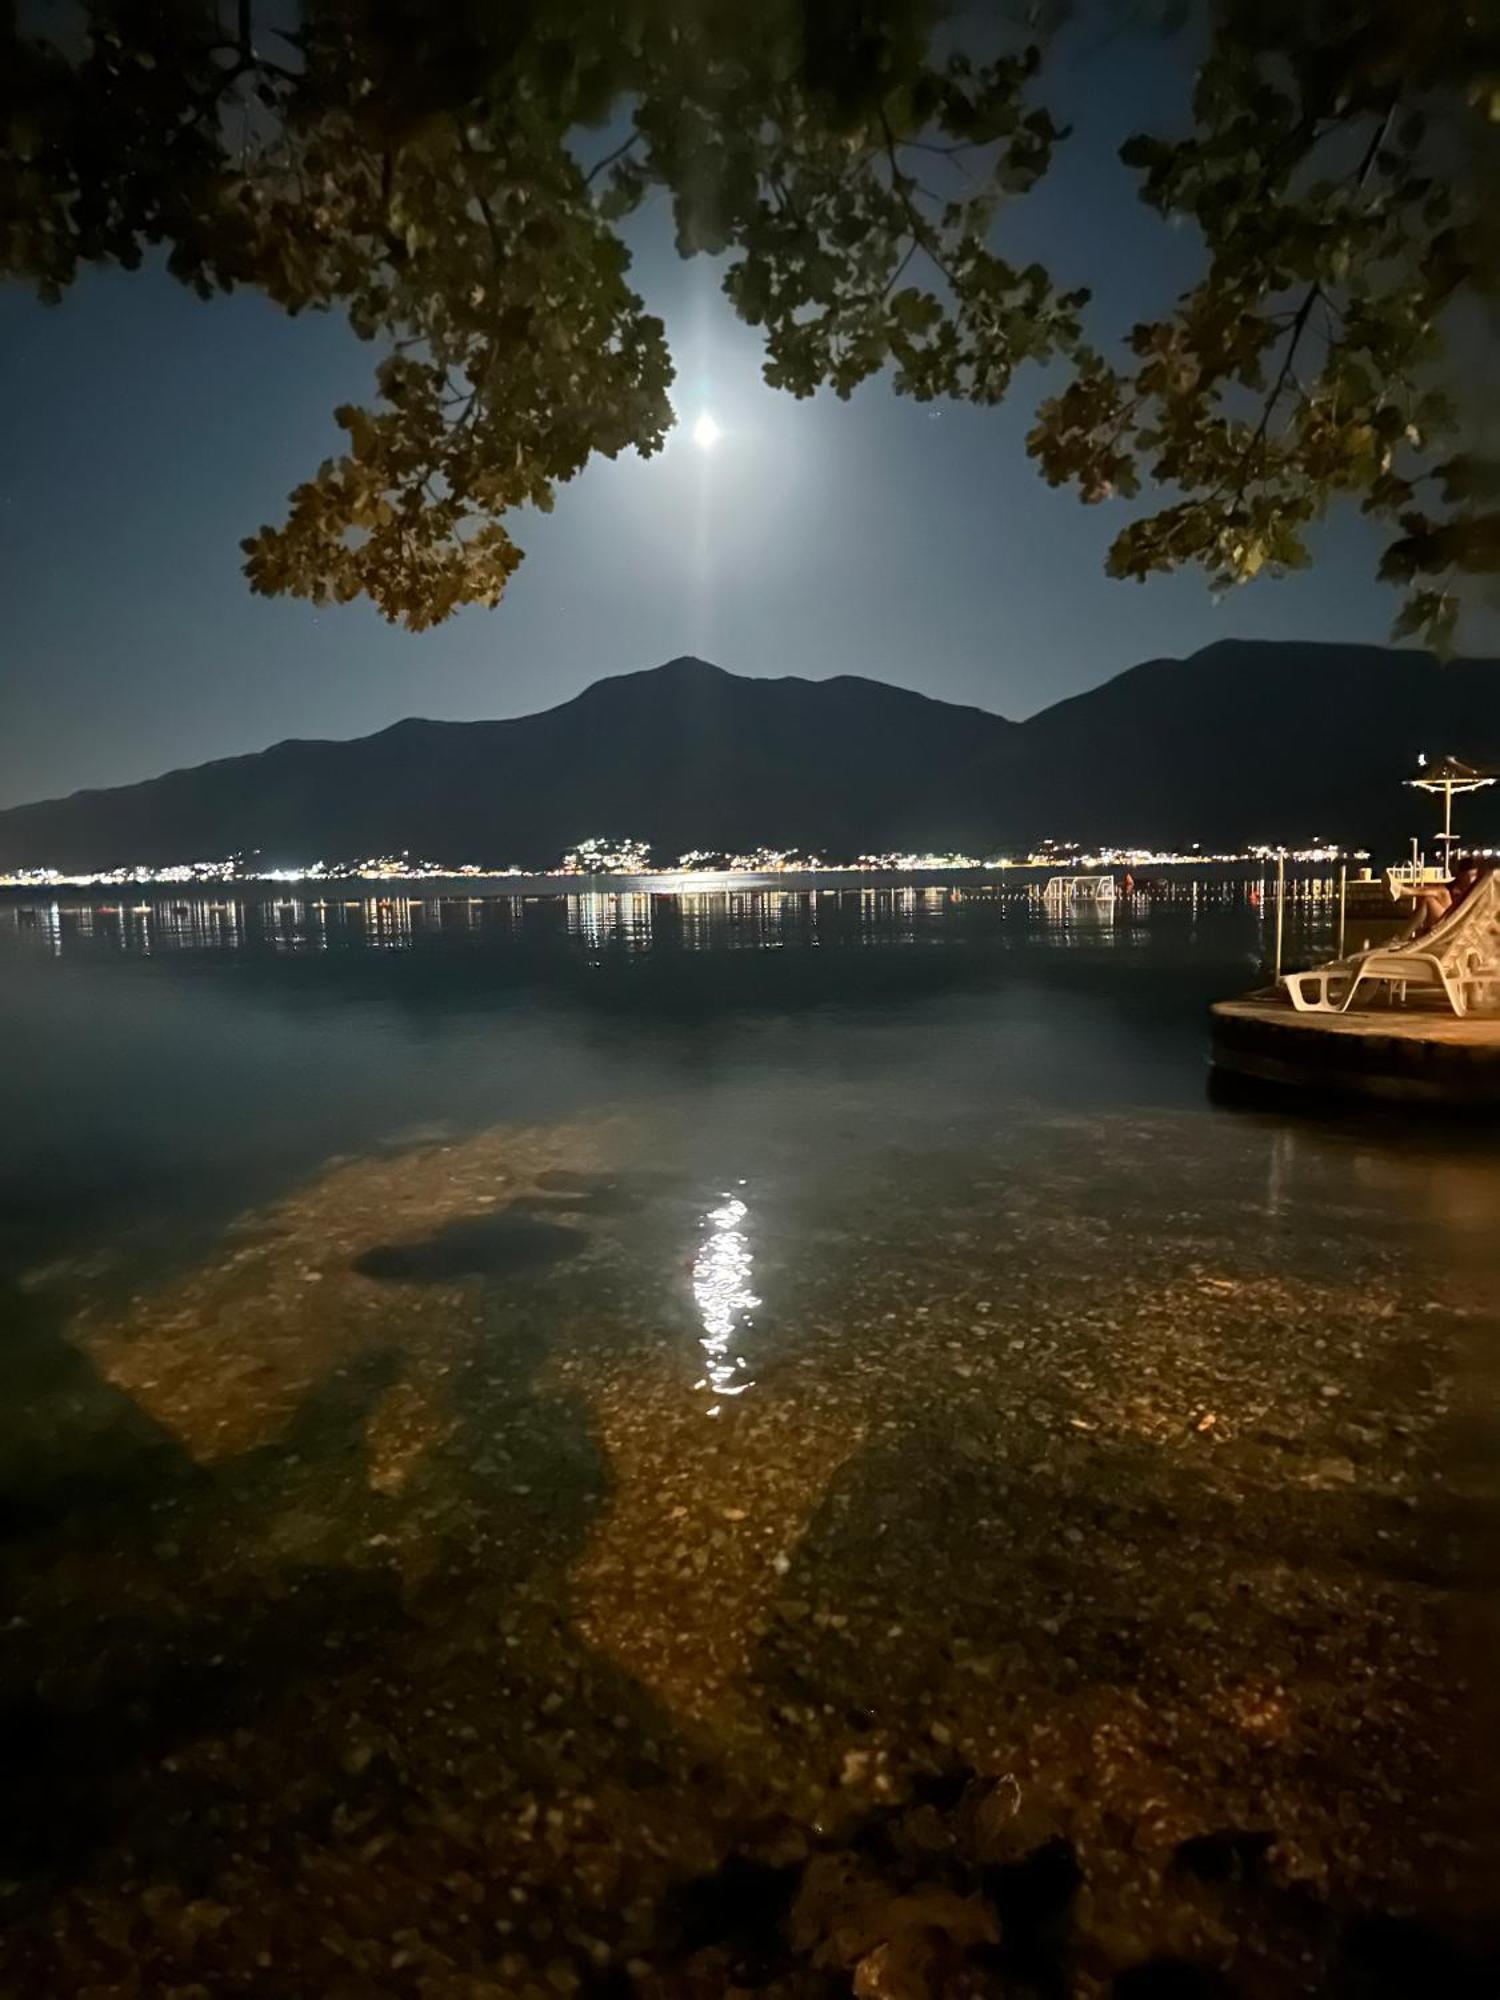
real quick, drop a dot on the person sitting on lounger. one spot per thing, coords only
(1435, 900)
(1467, 877)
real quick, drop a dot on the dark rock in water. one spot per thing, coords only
(1033, 1898)
(1171, 1979)
(875, 1836)
(942, 1789)
(604, 1197)
(1399, 1958)
(1231, 1854)
(609, 1982)
(741, 1907)
(487, 1246)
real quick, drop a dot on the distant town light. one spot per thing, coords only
(605, 855)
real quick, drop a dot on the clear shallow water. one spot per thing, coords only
(181, 1059)
(838, 1336)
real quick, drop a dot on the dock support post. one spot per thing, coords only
(1280, 906)
(1343, 898)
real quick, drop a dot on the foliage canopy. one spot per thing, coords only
(426, 169)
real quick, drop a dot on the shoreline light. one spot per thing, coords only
(603, 859)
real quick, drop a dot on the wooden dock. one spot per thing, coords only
(1412, 1055)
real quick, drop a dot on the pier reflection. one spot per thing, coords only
(609, 922)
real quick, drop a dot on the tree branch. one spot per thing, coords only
(1303, 313)
(901, 188)
(1258, 437)
(485, 210)
(609, 159)
(895, 278)
(948, 152)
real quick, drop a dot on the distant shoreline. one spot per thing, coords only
(664, 882)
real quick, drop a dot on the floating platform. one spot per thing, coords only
(1396, 1055)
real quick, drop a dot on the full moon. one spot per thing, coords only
(706, 433)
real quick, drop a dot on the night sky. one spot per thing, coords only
(142, 433)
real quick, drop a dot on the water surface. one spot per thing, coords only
(638, 1444)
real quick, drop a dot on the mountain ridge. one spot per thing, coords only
(1243, 740)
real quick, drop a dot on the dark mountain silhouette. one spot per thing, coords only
(1256, 741)
(1242, 741)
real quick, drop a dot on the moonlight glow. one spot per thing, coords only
(706, 433)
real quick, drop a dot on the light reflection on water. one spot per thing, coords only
(632, 921)
(605, 920)
(721, 1287)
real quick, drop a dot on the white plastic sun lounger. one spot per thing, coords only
(1459, 957)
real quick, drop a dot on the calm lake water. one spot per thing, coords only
(184, 1058)
(632, 1444)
